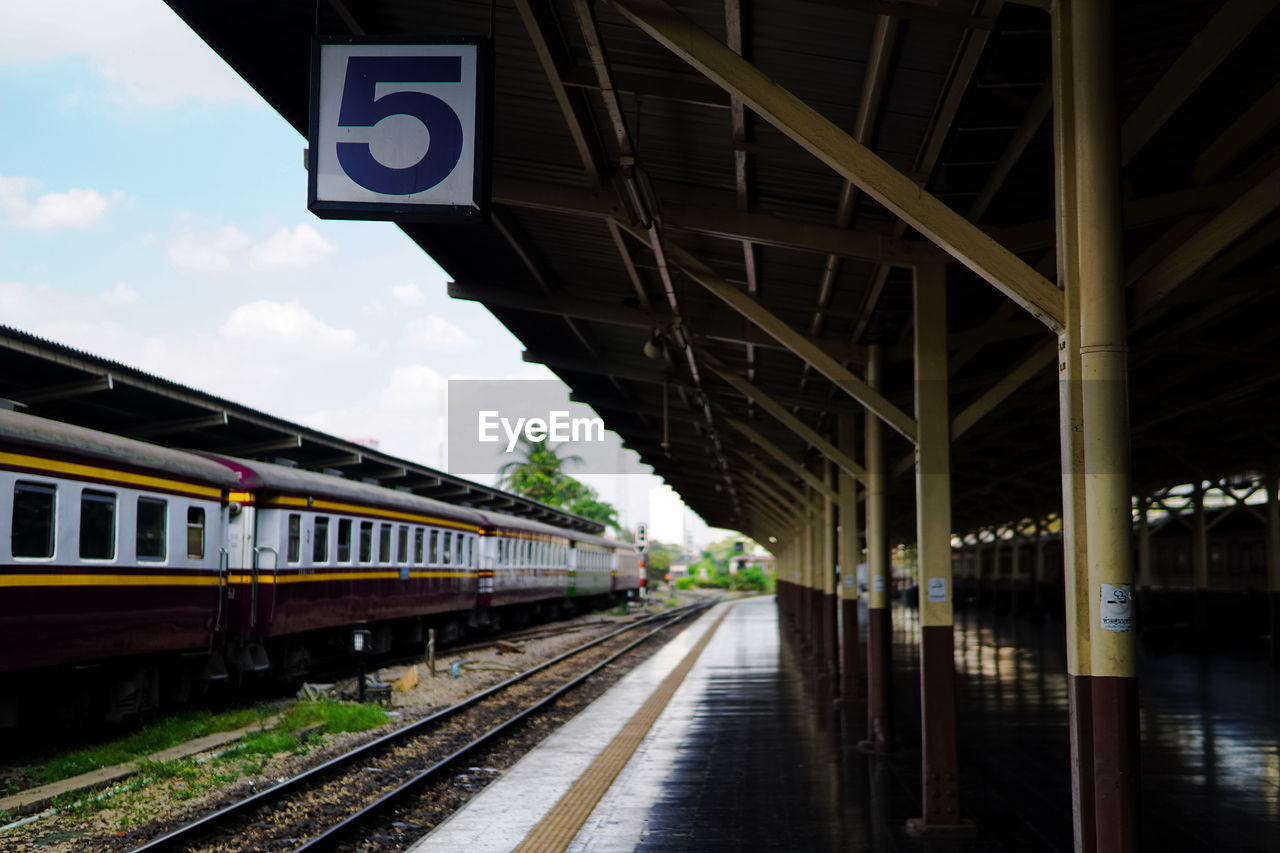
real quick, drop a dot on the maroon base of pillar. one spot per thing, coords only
(830, 634)
(850, 653)
(879, 673)
(1080, 725)
(940, 785)
(1116, 763)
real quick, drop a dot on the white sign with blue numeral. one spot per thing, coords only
(396, 131)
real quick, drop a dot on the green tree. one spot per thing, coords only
(539, 474)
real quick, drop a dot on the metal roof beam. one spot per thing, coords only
(719, 329)
(714, 214)
(154, 428)
(758, 467)
(49, 393)
(1202, 247)
(931, 217)
(777, 453)
(345, 460)
(1235, 20)
(791, 422)
(288, 442)
(798, 344)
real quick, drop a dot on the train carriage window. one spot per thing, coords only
(344, 540)
(366, 541)
(31, 533)
(384, 543)
(294, 553)
(152, 518)
(320, 544)
(447, 548)
(434, 556)
(195, 532)
(459, 554)
(97, 525)
(418, 536)
(402, 544)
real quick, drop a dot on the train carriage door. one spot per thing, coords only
(241, 560)
(266, 559)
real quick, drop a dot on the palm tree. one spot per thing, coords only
(539, 473)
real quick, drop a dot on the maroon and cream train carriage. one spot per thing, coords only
(310, 552)
(108, 547)
(166, 569)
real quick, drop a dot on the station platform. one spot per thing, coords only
(748, 751)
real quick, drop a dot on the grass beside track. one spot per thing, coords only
(180, 728)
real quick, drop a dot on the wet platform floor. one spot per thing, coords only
(753, 754)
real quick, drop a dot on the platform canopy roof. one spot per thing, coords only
(43, 378)
(676, 174)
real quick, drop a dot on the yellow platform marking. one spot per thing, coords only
(558, 827)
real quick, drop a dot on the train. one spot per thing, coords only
(134, 575)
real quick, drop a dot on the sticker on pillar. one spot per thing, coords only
(877, 583)
(848, 581)
(1117, 608)
(937, 590)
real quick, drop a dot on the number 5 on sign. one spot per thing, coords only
(398, 130)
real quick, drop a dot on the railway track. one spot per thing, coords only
(322, 807)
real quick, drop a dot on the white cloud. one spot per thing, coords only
(286, 325)
(74, 208)
(143, 52)
(408, 294)
(297, 247)
(211, 250)
(121, 294)
(433, 333)
(217, 248)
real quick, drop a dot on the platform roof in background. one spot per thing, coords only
(58, 382)
(637, 201)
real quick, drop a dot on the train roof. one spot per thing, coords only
(280, 478)
(497, 519)
(78, 443)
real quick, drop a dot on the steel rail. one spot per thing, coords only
(193, 831)
(331, 836)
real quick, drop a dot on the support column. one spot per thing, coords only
(1015, 570)
(940, 787)
(1071, 425)
(850, 554)
(1037, 570)
(808, 611)
(1144, 544)
(879, 619)
(1273, 561)
(1108, 516)
(1200, 564)
(827, 602)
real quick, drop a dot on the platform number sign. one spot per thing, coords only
(398, 131)
(642, 537)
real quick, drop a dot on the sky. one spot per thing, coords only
(153, 211)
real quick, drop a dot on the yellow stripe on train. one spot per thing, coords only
(385, 574)
(284, 501)
(205, 579)
(109, 475)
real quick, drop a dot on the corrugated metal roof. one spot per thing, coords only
(682, 136)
